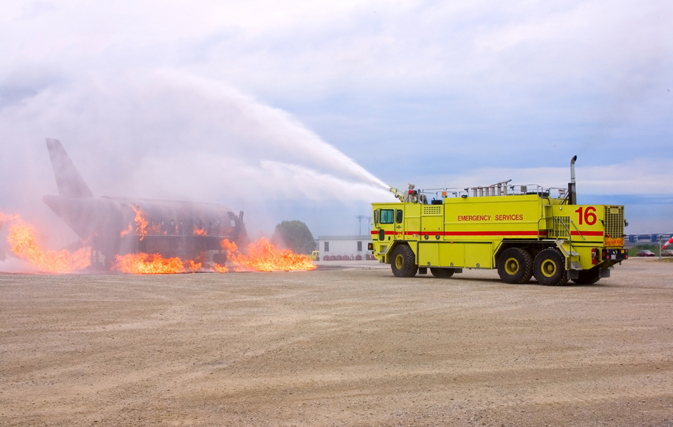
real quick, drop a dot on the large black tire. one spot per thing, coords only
(588, 277)
(515, 265)
(403, 262)
(550, 268)
(442, 273)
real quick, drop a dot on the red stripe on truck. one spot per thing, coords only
(468, 233)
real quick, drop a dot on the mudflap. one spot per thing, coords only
(575, 274)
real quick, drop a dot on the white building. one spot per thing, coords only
(333, 248)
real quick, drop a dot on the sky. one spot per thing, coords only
(308, 110)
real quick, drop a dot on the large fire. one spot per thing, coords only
(148, 264)
(23, 243)
(263, 256)
(260, 256)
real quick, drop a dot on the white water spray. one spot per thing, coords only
(170, 136)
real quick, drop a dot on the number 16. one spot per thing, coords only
(589, 215)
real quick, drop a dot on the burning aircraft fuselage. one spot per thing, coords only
(118, 226)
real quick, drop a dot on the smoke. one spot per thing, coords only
(16, 265)
(168, 136)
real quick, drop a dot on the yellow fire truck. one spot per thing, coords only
(522, 230)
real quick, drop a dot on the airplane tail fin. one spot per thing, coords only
(68, 180)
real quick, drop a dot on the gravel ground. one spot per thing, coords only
(336, 347)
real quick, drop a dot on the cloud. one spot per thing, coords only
(635, 177)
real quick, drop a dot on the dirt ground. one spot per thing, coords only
(336, 347)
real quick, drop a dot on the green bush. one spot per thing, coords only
(294, 235)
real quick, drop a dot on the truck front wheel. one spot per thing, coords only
(515, 265)
(403, 262)
(550, 268)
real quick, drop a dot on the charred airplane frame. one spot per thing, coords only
(118, 226)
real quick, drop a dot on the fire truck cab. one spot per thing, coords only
(520, 230)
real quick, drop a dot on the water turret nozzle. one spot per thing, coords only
(397, 193)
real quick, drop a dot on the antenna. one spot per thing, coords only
(360, 218)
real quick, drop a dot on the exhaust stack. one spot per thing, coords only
(572, 193)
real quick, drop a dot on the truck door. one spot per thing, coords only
(399, 223)
(384, 222)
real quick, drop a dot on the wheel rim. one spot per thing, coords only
(399, 262)
(548, 268)
(512, 266)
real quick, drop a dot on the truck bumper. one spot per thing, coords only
(614, 254)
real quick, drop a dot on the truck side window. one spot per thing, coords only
(376, 217)
(398, 218)
(387, 216)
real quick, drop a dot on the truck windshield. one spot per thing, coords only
(387, 216)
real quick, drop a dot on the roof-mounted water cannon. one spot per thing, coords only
(411, 196)
(397, 193)
(572, 193)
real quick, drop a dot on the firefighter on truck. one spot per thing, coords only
(520, 230)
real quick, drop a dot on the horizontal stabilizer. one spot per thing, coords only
(68, 179)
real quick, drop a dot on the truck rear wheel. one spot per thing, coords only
(442, 273)
(588, 277)
(515, 265)
(403, 262)
(550, 268)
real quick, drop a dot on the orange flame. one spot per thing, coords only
(263, 256)
(127, 231)
(141, 222)
(199, 231)
(142, 263)
(23, 243)
(220, 268)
